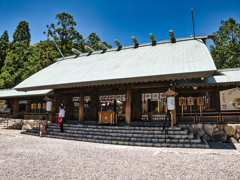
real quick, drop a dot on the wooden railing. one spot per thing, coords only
(204, 117)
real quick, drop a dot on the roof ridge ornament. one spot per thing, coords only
(75, 51)
(135, 41)
(171, 34)
(90, 50)
(102, 46)
(118, 44)
(154, 42)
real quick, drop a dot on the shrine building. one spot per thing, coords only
(127, 85)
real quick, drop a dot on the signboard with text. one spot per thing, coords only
(230, 99)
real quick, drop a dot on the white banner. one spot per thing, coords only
(148, 96)
(23, 102)
(111, 97)
(155, 96)
(162, 96)
(118, 97)
(230, 99)
(123, 97)
(87, 98)
(104, 98)
(76, 99)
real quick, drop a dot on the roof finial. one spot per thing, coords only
(118, 43)
(102, 46)
(76, 51)
(171, 34)
(153, 39)
(88, 49)
(135, 41)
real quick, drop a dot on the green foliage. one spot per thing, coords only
(11, 72)
(41, 55)
(93, 40)
(14, 64)
(4, 41)
(64, 33)
(22, 33)
(19, 59)
(226, 52)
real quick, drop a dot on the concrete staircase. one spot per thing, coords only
(122, 135)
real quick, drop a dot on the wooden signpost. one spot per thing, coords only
(182, 102)
(200, 102)
(190, 102)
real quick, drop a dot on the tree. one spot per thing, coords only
(94, 39)
(14, 65)
(17, 54)
(22, 33)
(4, 41)
(64, 33)
(41, 55)
(226, 49)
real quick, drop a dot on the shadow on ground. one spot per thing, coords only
(220, 145)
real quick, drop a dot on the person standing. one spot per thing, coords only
(62, 115)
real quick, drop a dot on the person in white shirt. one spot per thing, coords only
(62, 114)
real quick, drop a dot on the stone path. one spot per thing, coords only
(31, 157)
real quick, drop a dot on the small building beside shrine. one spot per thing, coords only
(25, 105)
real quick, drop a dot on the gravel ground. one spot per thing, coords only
(31, 157)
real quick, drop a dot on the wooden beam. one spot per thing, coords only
(115, 105)
(128, 105)
(76, 90)
(81, 106)
(150, 85)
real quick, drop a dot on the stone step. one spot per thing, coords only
(146, 131)
(125, 138)
(87, 131)
(114, 127)
(130, 137)
(202, 144)
(132, 133)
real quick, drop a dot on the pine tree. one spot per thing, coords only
(94, 39)
(226, 49)
(22, 33)
(41, 55)
(64, 33)
(4, 42)
(17, 54)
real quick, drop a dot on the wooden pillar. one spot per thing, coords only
(149, 103)
(128, 105)
(81, 106)
(172, 87)
(159, 106)
(115, 106)
(123, 106)
(106, 105)
(94, 106)
(146, 105)
(15, 107)
(139, 106)
(217, 98)
(143, 106)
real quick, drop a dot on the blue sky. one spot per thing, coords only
(121, 20)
